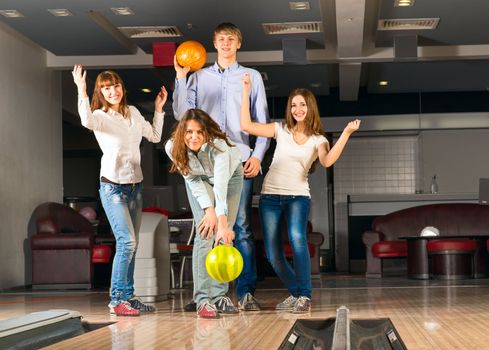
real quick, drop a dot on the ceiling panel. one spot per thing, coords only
(196, 19)
(462, 22)
(456, 58)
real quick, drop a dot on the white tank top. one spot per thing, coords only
(291, 163)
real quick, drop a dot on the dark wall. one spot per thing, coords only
(386, 104)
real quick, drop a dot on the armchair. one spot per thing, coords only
(61, 248)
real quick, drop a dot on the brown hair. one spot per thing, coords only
(108, 78)
(180, 151)
(228, 28)
(313, 120)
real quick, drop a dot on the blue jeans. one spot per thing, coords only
(295, 210)
(123, 206)
(244, 242)
(207, 289)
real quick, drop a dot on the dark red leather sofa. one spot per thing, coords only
(61, 248)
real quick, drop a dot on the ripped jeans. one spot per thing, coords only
(123, 207)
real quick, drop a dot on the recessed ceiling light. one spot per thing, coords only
(11, 13)
(299, 5)
(122, 11)
(383, 83)
(403, 3)
(60, 12)
(146, 90)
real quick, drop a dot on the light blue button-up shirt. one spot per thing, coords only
(219, 94)
(215, 165)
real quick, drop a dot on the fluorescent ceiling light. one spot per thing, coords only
(299, 5)
(60, 12)
(146, 90)
(122, 11)
(11, 13)
(403, 3)
(383, 83)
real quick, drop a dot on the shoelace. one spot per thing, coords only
(250, 298)
(207, 306)
(224, 302)
(302, 301)
(138, 304)
(289, 300)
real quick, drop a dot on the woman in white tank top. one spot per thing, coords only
(285, 191)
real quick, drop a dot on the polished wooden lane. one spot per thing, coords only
(427, 315)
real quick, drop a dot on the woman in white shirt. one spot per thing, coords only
(119, 129)
(213, 172)
(285, 191)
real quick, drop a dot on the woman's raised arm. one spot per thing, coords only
(257, 129)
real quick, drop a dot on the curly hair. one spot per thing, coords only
(313, 120)
(108, 78)
(211, 132)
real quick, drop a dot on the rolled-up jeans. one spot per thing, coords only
(207, 289)
(123, 207)
(295, 210)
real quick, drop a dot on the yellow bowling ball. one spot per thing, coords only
(224, 263)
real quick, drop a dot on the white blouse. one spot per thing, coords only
(119, 139)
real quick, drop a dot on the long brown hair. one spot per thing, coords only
(180, 151)
(312, 121)
(108, 78)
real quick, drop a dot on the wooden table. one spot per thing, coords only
(417, 255)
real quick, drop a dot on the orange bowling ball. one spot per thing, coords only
(191, 54)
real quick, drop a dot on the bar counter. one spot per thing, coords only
(381, 204)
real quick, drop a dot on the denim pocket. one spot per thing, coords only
(112, 192)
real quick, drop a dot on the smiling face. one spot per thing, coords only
(113, 94)
(227, 44)
(302, 108)
(194, 135)
(298, 108)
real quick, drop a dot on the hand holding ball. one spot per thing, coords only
(191, 54)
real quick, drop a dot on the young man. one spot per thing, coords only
(217, 90)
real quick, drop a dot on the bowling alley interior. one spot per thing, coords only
(397, 229)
